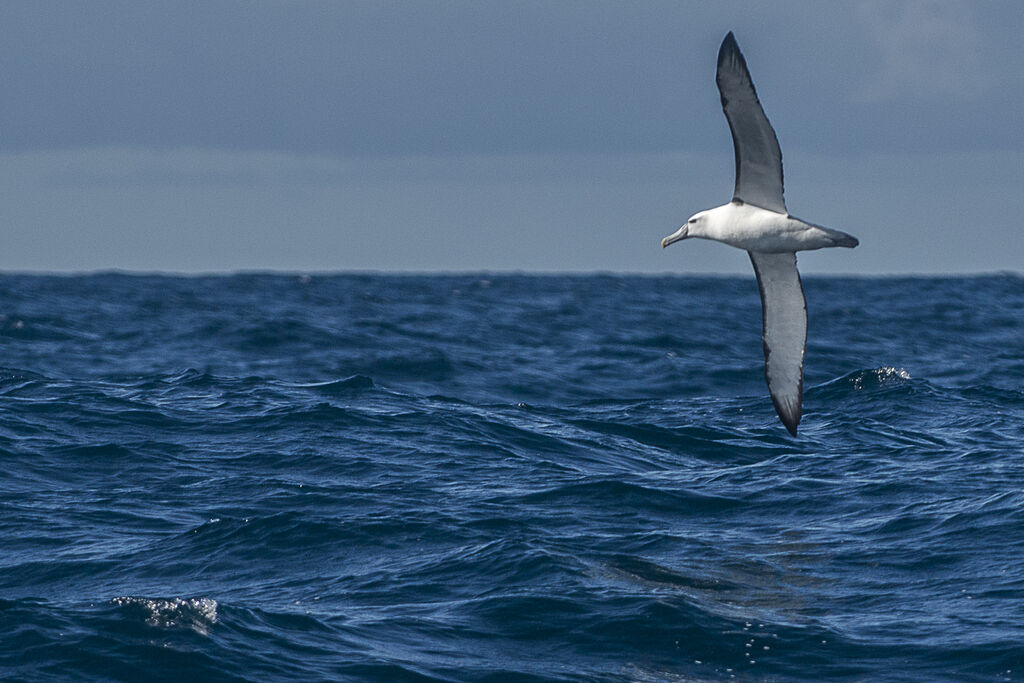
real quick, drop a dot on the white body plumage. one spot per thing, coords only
(752, 228)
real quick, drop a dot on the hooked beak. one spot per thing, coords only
(679, 234)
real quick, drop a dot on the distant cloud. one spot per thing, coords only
(928, 49)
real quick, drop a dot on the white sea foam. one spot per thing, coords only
(197, 614)
(881, 376)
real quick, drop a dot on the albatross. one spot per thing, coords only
(757, 220)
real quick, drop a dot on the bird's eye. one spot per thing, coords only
(692, 220)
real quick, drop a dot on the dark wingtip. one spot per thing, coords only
(790, 418)
(729, 55)
(729, 45)
(789, 413)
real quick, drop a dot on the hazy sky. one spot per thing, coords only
(201, 136)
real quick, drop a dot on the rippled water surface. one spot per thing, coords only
(469, 478)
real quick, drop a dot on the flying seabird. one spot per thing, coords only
(757, 220)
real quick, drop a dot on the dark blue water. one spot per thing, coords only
(499, 478)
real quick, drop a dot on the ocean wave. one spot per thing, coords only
(268, 335)
(340, 386)
(41, 329)
(626, 496)
(553, 478)
(196, 614)
(869, 380)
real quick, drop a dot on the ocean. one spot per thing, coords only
(363, 477)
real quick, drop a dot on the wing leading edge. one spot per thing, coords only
(758, 155)
(783, 331)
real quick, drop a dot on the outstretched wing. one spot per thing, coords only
(758, 156)
(784, 332)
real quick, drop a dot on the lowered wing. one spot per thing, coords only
(783, 331)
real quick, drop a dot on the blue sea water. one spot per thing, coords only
(507, 478)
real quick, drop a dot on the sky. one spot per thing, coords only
(218, 136)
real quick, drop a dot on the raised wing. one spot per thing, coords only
(758, 156)
(784, 332)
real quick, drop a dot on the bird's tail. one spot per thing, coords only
(839, 238)
(843, 239)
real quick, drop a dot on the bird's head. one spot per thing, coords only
(690, 229)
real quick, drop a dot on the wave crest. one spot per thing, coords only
(196, 614)
(884, 376)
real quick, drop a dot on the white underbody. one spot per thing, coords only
(752, 228)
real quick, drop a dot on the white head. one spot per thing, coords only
(695, 227)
